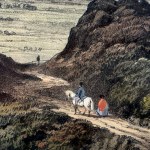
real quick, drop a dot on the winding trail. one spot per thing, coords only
(113, 124)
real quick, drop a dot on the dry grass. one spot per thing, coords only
(47, 28)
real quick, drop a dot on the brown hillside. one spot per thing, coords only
(109, 50)
(10, 75)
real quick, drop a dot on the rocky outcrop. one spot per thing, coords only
(109, 50)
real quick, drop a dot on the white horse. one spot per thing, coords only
(87, 103)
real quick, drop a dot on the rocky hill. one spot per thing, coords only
(109, 49)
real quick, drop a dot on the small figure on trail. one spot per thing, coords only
(38, 59)
(102, 109)
(80, 92)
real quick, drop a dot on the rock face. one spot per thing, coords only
(109, 49)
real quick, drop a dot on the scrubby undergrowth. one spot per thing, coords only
(26, 129)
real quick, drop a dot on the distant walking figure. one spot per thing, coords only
(38, 59)
(102, 109)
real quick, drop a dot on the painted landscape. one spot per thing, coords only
(31, 28)
(91, 88)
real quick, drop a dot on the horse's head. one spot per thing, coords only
(69, 94)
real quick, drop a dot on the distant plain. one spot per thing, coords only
(24, 34)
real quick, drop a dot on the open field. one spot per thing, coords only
(26, 33)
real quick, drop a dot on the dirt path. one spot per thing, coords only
(115, 125)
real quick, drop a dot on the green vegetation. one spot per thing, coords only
(145, 103)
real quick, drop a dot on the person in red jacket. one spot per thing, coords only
(102, 109)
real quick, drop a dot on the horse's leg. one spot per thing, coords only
(89, 113)
(84, 111)
(75, 109)
(78, 110)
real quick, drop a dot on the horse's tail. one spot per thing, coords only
(92, 105)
